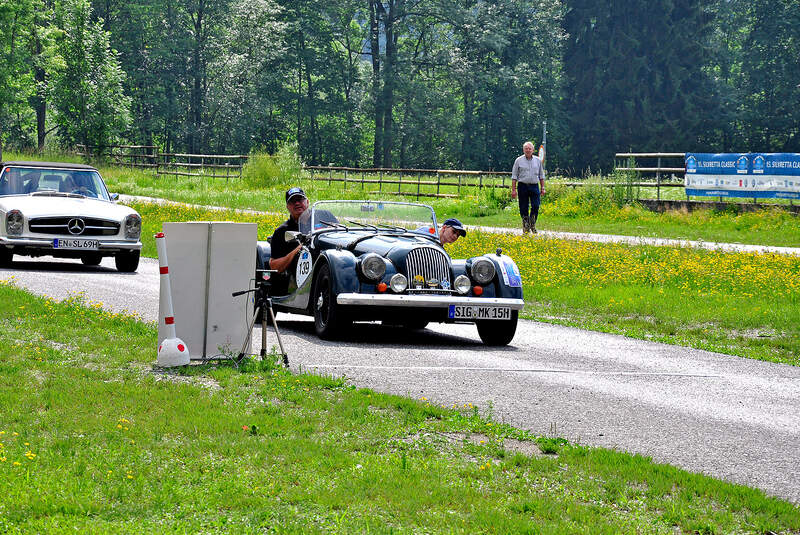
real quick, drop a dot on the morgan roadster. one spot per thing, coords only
(382, 261)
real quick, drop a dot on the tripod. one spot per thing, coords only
(263, 304)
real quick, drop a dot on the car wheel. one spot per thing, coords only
(6, 255)
(498, 333)
(127, 261)
(91, 259)
(329, 318)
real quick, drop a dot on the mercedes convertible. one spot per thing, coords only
(382, 261)
(64, 210)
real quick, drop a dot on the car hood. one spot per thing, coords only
(42, 206)
(384, 244)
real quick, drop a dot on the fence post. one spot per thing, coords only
(330, 175)
(419, 181)
(362, 179)
(380, 180)
(658, 180)
(438, 181)
(345, 180)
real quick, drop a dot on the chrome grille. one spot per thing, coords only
(58, 226)
(429, 262)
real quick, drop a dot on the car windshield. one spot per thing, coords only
(393, 216)
(26, 180)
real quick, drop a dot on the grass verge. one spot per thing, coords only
(593, 208)
(93, 439)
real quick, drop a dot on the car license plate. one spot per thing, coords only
(74, 243)
(474, 312)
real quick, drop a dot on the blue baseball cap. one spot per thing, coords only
(456, 225)
(294, 192)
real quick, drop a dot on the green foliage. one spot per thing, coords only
(266, 170)
(87, 93)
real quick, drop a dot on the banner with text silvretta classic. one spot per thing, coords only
(753, 174)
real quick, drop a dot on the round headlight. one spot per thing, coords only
(399, 283)
(482, 270)
(14, 223)
(462, 284)
(133, 226)
(372, 266)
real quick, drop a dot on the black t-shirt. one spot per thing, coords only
(279, 248)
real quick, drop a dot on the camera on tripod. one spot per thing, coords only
(262, 309)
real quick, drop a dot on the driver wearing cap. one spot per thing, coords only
(283, 257)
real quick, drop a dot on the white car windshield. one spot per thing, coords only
(397, 216)
(26, 181)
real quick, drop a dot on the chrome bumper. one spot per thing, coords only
(44, 243)
(435, 301)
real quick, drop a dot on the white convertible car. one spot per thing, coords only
(64, 210)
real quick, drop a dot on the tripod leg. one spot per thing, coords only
(249, 333)
(263, 352)
(277, 334)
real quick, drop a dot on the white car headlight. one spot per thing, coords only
(15, 223)
(133, 226)
(462, 284)
(372, 266)
(482, 270)
(398, 283)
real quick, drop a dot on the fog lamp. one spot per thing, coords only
(399, 283)
(462, 284)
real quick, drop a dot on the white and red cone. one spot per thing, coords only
(172, 351)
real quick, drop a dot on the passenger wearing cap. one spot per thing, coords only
(449, 232)
(283, 256)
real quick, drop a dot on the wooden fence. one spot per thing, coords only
(390, 177)
(392, 181)
(628, 162)
(169, 163)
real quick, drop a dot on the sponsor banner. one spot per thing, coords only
(754, 175)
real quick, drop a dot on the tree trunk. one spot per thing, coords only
(196, 113)
(388, 85)
(375, 48)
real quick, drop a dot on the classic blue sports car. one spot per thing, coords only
(382, 261)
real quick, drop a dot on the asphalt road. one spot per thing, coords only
(732, 418)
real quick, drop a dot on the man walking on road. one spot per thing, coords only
(529, 173)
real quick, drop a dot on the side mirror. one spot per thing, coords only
(291, 235)
(114, 197)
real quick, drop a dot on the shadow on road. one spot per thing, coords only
(386, 337)
(60, 266)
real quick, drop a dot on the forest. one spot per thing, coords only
(403, 83)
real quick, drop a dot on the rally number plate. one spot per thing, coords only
(74, 243)
(473, 312)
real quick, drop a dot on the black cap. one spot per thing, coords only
(456, 224)
(294, 192)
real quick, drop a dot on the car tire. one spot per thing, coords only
(6, 255)
(92, 259)
(330, 320)
(127, 261)
(498, 333)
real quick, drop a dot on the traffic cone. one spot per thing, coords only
(172, 351)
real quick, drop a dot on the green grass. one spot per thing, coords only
(96, 440)
(592, 209)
